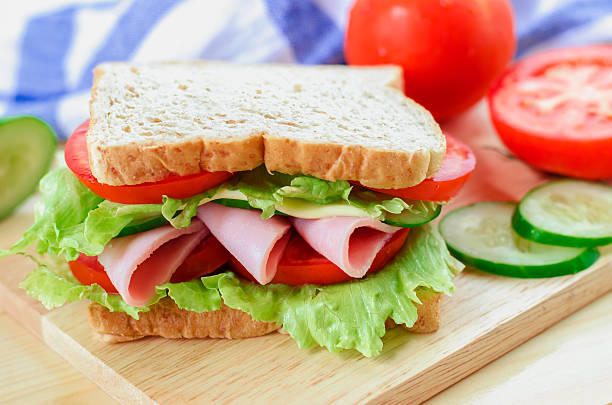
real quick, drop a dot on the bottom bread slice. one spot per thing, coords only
(167, 320)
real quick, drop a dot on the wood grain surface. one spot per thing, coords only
(486, 317)
(31, 374)
(570, 363)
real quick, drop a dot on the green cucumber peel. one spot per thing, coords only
(566, 212)
(480, 235)
(27, 148)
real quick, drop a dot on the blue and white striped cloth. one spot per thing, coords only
(48, 48)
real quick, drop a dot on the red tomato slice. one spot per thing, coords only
(458, 165)
(179, 187)
(553, 109)
(301, 264)
(205, 259)
(89, 271)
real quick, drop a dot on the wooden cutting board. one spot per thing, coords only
(486, 317)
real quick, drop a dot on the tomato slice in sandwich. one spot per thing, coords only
(89, 271)
(301, 264)
(459, 163)
(205, 259)
(179, 187)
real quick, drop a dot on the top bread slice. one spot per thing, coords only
(149, 121)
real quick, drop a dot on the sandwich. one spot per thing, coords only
(209, 199)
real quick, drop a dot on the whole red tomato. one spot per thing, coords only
(451, 50)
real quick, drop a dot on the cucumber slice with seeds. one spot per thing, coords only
(566, 213)
(481, 236)
(27, 146)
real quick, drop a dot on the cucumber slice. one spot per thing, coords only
(142, 225)
(27, 146)
(407, 219)
(299, 208)
(480, 235)
(229, 202)
(566, 213)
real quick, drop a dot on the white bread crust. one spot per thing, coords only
(151, 121)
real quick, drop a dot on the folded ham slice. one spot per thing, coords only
(258, 244)
(351, 243)
(137, 263)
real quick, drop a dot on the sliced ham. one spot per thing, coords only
(137, 263)
(258, 244)
(351, 243)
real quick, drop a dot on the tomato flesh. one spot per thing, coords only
(301, 264)
(553, 110)
(89, 271)
(205, 259)
(459, 163)
(179, 187)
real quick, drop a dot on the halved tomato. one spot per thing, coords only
(458, 165)
(179, 187)
(301, 264)
(553, 109)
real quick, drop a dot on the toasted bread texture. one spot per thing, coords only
(150, 121)
(167, 320)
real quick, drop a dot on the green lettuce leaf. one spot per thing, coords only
(193, 295)
(180, 212)
(351, 315)
(266, 190)
(377, 205)
(316, 190)
(341, 316)
(64, 205)
(54, 288)
(72, 219)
